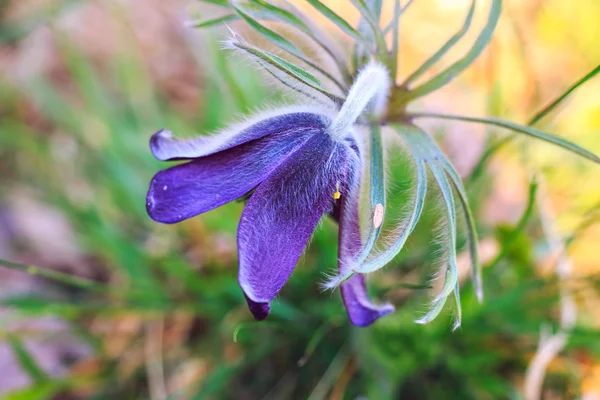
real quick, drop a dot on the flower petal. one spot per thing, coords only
(186, 190)
(361, 311)
(282, 214)
(165, 147)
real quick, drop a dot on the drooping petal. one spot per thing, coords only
(361, 311)
(282, 214)
(166, 147)
(186, 190)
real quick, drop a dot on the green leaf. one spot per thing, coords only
(263, 10)
(337, 20)
(397, 14)
(471, 229)
(373, 22)
(446, 76)
(289, 69)
(271, 35)
(56, 276)
(469, 219)
(508, 242)
(430, 153)
(406, 228)
(395, 38)
(221, 3)
(479, 167)
(444, 49)
(286, 45)
(377, 193)
(213, 22)
(26, 360)
(527, 130)
(553, 104)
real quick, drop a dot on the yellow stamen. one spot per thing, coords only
(337, 193)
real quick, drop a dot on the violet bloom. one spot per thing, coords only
(301, 162)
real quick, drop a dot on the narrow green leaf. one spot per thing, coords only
(444, 49)
(477, 170)
(506, 244)
(450, 206)
(381, 260)
(394, 22)
(395, 39)
(263, 10)
(431, 154)
(377, 193)
(269, 70)
(527, 130)
(271, 35)
(213, 22)
(458, 319)
(221, 3)
(56, 276)
(459, 66)
(286, 45)
(314, 342)
(553, 104)
(469, 219)
(471, 231)
(373, 22)
(487, 154)
(336, 19)
(289, 69)
(26, 360)
(434, 311)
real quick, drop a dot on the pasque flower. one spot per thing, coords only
(298, 163)
(306, 161)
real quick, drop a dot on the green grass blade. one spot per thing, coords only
(213, 22)
(479, 167)
(455, 69)
(529, 208)
(444, 49)
(56, 276)
(221, 3)
(26, 360)
(337, 20)
(553, 104)
(527, 130)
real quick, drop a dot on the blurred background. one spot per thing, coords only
(83, 85)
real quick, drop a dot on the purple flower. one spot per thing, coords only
(298, 172)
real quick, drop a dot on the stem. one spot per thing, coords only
(371, 88)
(61, 277)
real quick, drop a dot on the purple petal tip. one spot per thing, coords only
(155, 143)
(259, 310)
(368, 316)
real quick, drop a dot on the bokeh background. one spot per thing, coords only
(83, 85)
